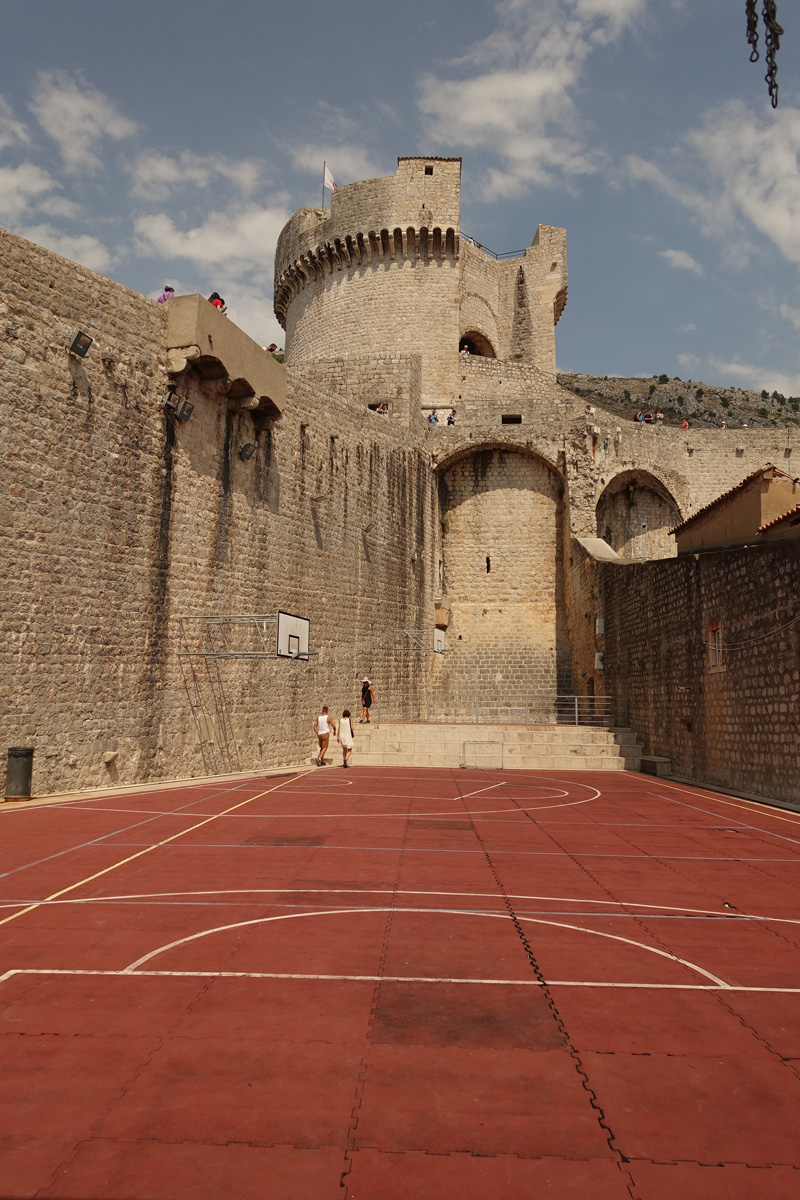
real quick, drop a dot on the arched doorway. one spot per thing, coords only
(635, 514)
(477, 344)
(502, 572)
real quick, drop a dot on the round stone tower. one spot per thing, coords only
(386, 272)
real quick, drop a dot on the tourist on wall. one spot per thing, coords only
(346, 736)
(432, 418)
(323, 727)
(685, 424)
(451, 417)
(218, 302)
(659, 417)
(166, 295)
(367, 696)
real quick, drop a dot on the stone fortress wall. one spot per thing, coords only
(117, 520)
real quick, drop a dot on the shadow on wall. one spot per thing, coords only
(635, 513)
(211, 716)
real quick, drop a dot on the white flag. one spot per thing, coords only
(330, 182)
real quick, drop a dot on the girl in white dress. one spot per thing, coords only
(346, 736)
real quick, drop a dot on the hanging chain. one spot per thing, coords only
(752, 28)
(772, 40)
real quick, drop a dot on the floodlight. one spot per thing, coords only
(247, 451)
(80, 344)
(366, 528)
(181, 410)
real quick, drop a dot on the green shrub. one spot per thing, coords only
(764, 394)
(725, 402)
(652, 388)
(626, 394)
(795, 405)
(679, 401)
(699, 394)
(663, 379)
(763, 412)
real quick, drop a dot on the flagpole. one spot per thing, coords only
(324, 164)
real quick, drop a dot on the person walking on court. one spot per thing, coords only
(346, 736)
(367, 696)
(323, 727)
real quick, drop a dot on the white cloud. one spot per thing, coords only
(690, 327)
(156, 175)
(19, 187)
(519, 102)
(246, 235)
(758, 378)
(791, 314)
(59, 206)
(12, 131)
(346, 163)
(688, 360)
(77, 117)
(745, 164)
(682, 261)
(82, 248)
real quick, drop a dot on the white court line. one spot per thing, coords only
(615, 937)
(325, 891)
(576, 983)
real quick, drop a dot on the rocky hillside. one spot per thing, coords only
(702, 404)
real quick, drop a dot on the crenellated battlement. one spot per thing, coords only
(362, 249)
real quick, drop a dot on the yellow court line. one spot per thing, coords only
(757, 805)
(147, 850)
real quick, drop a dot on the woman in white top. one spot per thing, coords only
(346, 736)
(323, 727)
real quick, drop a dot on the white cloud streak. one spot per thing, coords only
(746, 170)
(156, 176)
(12, 131)
(82, 248)
(19, 188)
(519, 103)
(78, 118)
(682, 261)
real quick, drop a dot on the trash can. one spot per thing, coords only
(19, 773)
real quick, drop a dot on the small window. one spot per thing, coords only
(429, 170)
(715, 645)
(511, 419)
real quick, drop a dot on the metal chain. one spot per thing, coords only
(772, 38)
(752, 28)
(773, 33)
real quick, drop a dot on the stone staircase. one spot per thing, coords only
(532, 747)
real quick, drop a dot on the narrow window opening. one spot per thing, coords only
(429, 170)
(715, 644)
(511, 419)
(488, 564)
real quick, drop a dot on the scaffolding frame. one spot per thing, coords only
(228, 636)
(422, 641)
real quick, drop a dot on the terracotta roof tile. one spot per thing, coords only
(793, 512)
(730, 492)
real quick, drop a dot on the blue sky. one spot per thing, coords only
(168, 143)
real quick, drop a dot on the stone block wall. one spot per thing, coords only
(737, 725)
(117, 521)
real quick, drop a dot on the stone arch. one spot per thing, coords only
(635, 512)
(477, 343)
(502, 555)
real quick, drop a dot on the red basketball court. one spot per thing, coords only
(376, 984)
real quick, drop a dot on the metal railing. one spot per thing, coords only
(470, 241)
(431, 708)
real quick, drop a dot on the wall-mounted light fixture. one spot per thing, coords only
(320, 496)
(180, 409)
(366, 528)
(80, 344)
(414, 556)
(247, 451)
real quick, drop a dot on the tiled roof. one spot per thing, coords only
(793, 512)
(730, 492)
